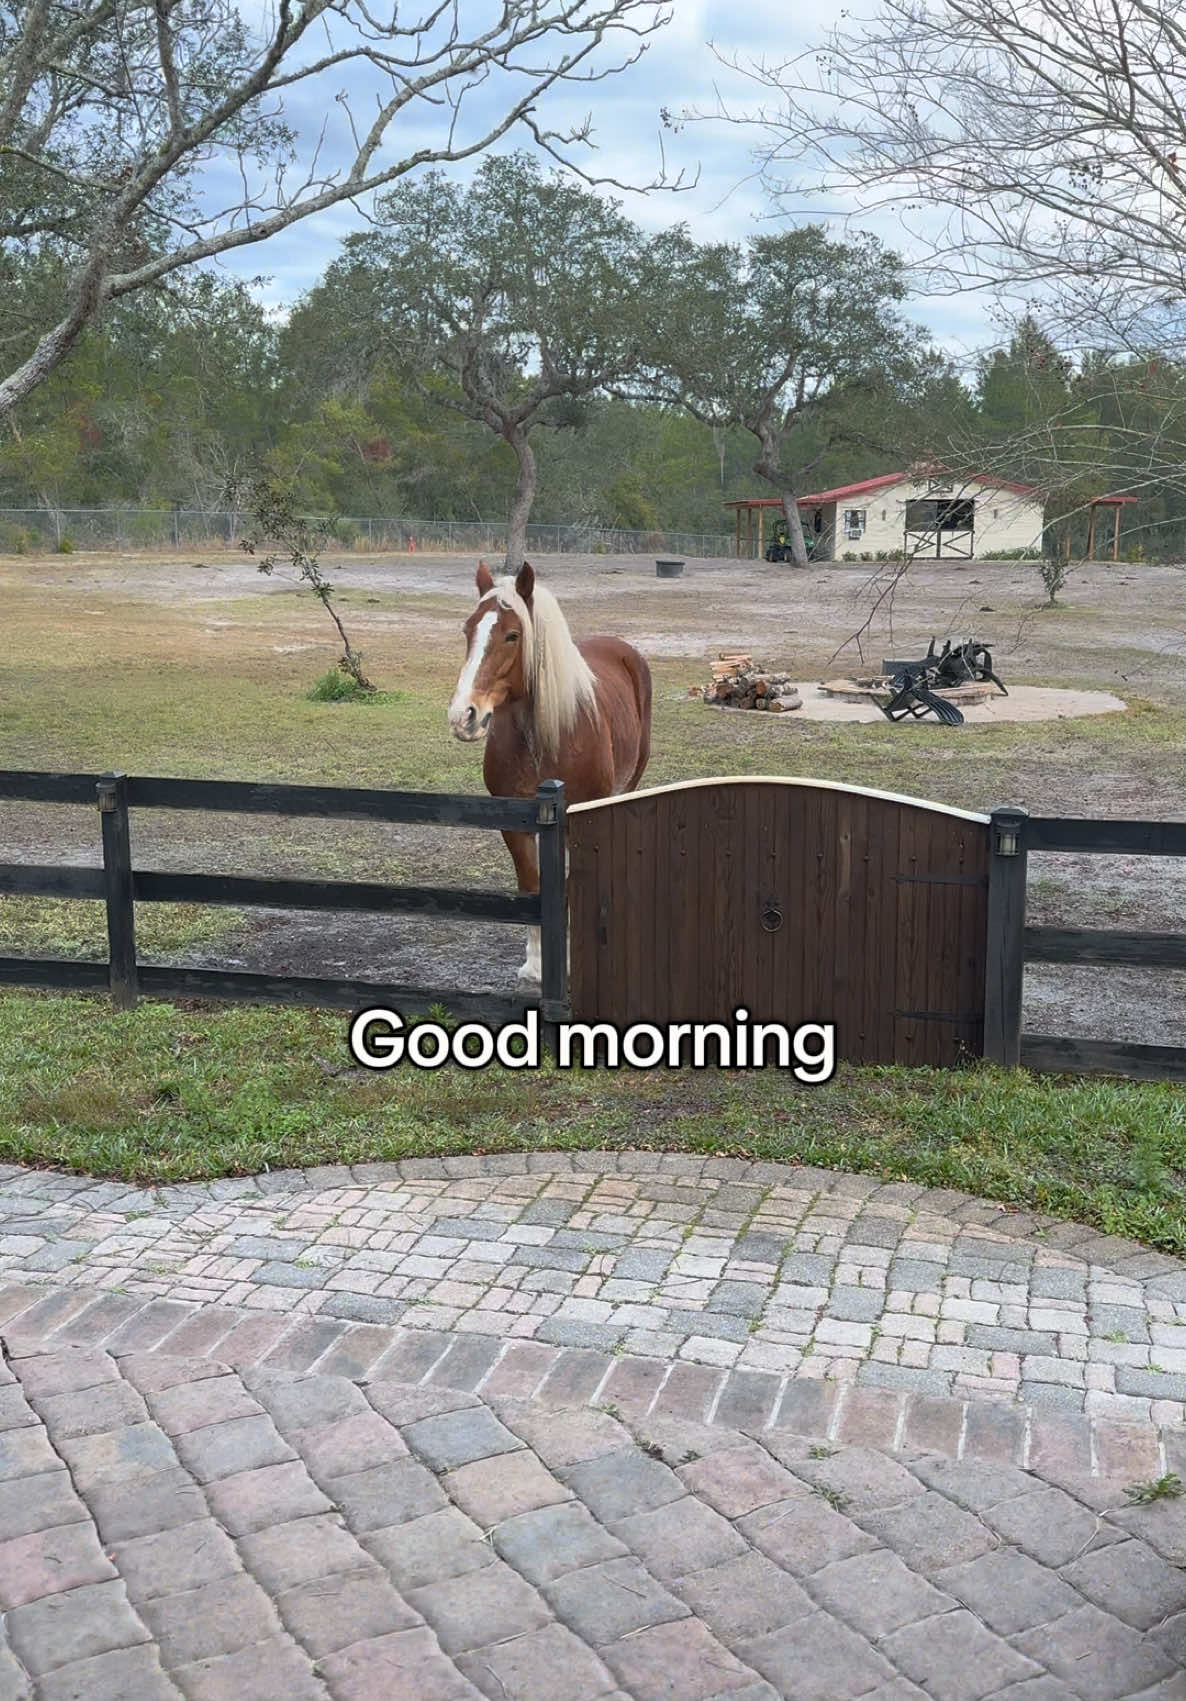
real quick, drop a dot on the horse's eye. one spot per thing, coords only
(512, 637)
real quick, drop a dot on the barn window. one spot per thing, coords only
(928, 514)
(884, 515)
(854, 522)
(996, 513)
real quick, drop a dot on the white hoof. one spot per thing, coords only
(531, 972)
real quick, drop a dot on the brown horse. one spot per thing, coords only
(548, 707)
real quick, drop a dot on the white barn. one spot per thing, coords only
(931, 515)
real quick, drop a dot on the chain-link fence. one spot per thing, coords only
(28, 531)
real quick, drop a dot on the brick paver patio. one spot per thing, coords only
(599, 1425)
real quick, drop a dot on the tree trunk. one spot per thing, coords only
(524, 498)
(55, 520)
(768, 466)
(790, 508)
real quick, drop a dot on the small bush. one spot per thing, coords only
(1008, 555)
(150, 530)
(1053, 572)
(1135, 553)
(337, 686)
(65, 547)
(16, 540)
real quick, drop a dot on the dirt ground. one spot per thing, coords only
(1122, 630)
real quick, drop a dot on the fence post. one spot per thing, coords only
(553, 902)
(1005, 954)
(117, 877)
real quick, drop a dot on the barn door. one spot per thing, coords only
(800, 902)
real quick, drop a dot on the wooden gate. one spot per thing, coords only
(800, 900)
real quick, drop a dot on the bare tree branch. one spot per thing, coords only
(1038, 145)
(114, 116)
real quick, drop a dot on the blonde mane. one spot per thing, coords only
(559, 678)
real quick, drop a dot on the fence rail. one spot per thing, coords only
(67, 529)
(1013, 943)
(121, 885)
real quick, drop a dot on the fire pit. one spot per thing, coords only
(936, 684)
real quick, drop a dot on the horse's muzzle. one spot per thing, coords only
(468, 725)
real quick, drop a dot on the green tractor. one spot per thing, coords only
(779, 547)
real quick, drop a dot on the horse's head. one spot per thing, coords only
(497, 636)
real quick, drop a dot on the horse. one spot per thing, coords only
(549, 708)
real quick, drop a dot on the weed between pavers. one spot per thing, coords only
(1168, 1487)
(835, 1498)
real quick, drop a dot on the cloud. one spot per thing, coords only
(631, 143)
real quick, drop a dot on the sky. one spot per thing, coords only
(685, 67)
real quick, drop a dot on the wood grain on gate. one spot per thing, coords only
(798, 901)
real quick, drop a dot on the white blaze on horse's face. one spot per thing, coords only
(469, 717)
(496, 635)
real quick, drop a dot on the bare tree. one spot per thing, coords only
(1038, 145)
(273, 517)
(141, 136)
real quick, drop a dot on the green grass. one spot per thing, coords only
(77, 927)
(165, 1093)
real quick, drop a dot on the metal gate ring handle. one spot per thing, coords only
(771, 917)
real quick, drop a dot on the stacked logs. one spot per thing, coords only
(738, 684)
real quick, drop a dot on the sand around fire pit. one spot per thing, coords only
(1024, 703)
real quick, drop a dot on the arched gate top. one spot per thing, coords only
(778, 780)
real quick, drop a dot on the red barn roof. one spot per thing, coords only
(864, 486)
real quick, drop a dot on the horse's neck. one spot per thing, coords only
(522, 715)
(520, 734)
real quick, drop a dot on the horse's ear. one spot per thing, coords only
(485, 579)
(525, 581)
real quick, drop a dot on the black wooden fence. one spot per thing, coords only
(122, 886)
(1012, 944)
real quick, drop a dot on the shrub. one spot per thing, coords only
(1134, 553)
(65, 546)
(149, 530)
(337, 686)
(15, 540)
(1053, 572)
(1008, 555)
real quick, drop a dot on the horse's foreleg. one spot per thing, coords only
(525, 855)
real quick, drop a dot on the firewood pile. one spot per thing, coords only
(737, 683)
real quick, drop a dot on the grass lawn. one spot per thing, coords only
(165, 1093)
